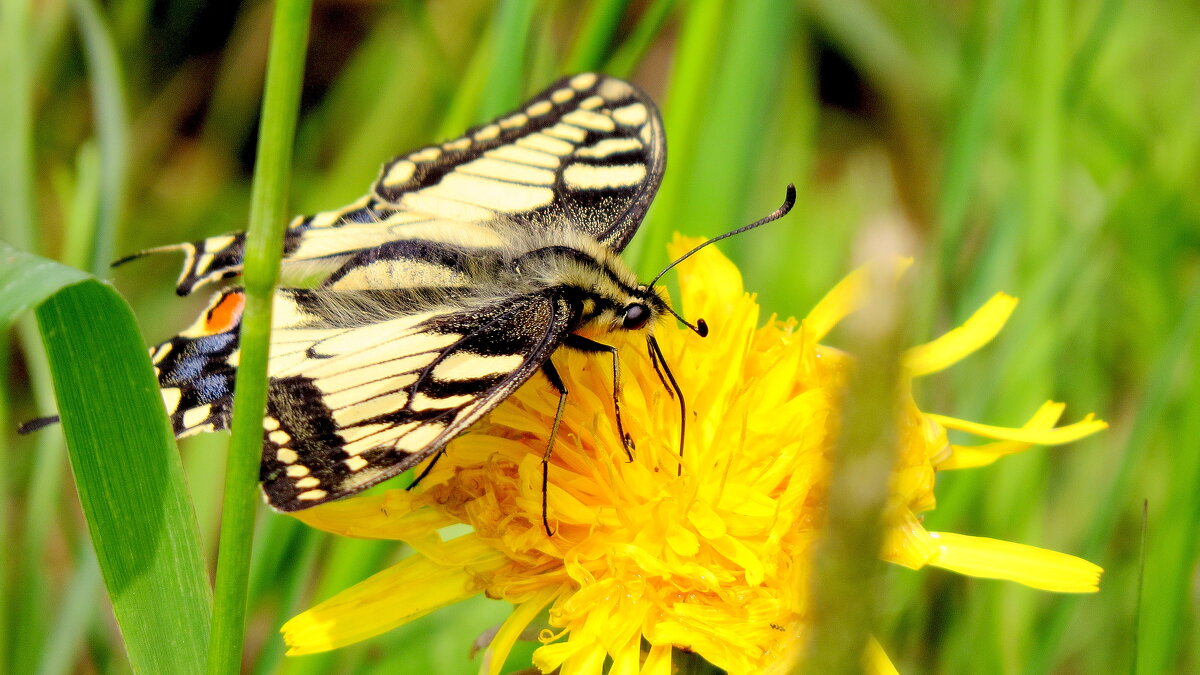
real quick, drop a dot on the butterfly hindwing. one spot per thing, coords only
(589, 151)
(196, 368)
(350, 406)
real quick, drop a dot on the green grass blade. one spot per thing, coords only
(847, 577)
(16, 128)
(108, 106)
(973, 123)
(73, 617)
(736, 106)
(686, 103)
(16, 225)
(503, 87)
(1141, 583)
(264, 243)
(27, 280)
(127, 471)
(595, 34)
(632, 50)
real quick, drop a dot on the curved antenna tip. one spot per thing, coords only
(701, 328)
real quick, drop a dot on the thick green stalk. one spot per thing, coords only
(264, 241)
(16, 225)
(847, 580)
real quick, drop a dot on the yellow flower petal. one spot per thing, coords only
(971, 456)
(908, 543)
(722, 285)
(876, 661)
(952, 347)
(1028, 565)
(589, 660)
(1057, 436)
(658, 661)
(385, 516)
(502, 642)
(370, 607)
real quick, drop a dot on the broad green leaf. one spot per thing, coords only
(26, 280)
(122, 452)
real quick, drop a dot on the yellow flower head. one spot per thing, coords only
(713, 558)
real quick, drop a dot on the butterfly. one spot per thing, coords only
(409, 314)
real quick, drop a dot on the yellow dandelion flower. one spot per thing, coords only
(713, 559)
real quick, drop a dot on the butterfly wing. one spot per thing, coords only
(350, 407)
(589, 150)
(196, 368)
(364, 384)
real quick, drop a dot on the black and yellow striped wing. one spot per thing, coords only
(352, 406)
(356, 399)
(589, 151)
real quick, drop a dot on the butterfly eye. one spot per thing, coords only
(636, 316)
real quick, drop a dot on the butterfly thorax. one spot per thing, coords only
(595, 281)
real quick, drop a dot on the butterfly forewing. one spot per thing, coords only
(349, 407)
(589, 150)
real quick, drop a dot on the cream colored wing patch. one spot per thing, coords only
(354, 404)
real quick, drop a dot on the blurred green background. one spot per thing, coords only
(1047, 149)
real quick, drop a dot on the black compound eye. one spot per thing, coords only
(636, 316)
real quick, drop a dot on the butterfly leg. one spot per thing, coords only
(551, 374)
(657, 358)
(428, 467)
(585, 345)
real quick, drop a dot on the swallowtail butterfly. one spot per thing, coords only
(451, 283)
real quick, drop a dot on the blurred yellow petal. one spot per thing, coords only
(952, 347)
(1028, 565)
(722, 285)
(1056, 436)
(846, 297)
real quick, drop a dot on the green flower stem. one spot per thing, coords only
(264, 241)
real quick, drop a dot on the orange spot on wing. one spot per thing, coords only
(225, 315)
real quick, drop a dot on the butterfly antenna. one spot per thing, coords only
(700, 327)
(788, 202)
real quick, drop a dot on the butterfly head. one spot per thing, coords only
(642, 307)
